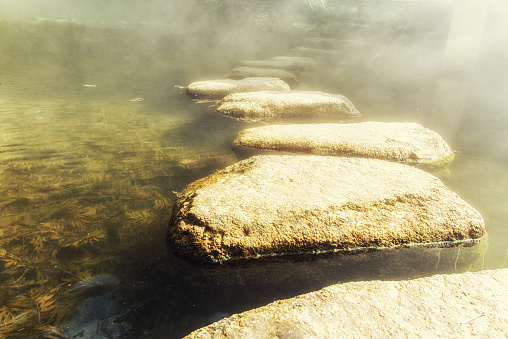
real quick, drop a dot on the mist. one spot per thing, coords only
(98, 137)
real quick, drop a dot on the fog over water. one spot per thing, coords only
(97, 133)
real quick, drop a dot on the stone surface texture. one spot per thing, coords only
(442, 306)
(218, 89)
(267, 106)
(242, 72)
(404, 142)
(280, 204)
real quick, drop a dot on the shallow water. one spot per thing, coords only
(87, 177)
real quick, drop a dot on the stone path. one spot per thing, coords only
(339, 199)
(274, 205)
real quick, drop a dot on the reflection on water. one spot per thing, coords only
(87, 180)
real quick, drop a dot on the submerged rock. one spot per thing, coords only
(238, 73)
(444, 306)
(218, 89)
(403, 142)
(268, 106)
(273, 205)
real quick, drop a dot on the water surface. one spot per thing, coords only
(97, 134)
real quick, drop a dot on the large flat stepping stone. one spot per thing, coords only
(218, 89)
(242, 72)
(273, 106)
(281, 204)
(442, 306)
(404, 142)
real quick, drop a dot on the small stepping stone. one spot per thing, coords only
(262, 64)
(335, 44)
(320, 54)
(291, 64)
(442, 306)
(302, 64)
(238, 73)
(218, 89)
(273, 106)
(403, 142)
(282, 204)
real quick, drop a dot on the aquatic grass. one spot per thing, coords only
(76, 194)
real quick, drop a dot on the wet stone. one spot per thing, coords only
(403, 142)
(278, 106)
(218, 89)
(282, 204)
(242, 72)
(442, 306)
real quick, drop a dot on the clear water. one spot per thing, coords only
(87, 176)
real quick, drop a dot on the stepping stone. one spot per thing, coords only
(403, 142)
(442, 306)
(263, 64)
(218, 89)
(320, 54)
(302, 64)
(291, 64)
(273, 106)
(238, 73)
(283, 204)
(336, 44)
